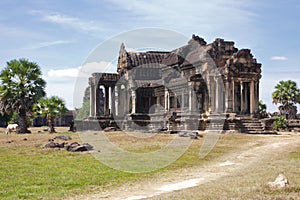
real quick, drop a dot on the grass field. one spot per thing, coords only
(28, 171)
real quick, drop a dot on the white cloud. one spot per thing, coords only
(67, 21)
(84, 71)
(59, 73)
(47, 44)
(279, 58)
(70, 83)
(88, 68)
(210, 17)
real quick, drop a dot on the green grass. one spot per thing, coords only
(52, 173)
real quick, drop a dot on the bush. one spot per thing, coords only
(279, 123)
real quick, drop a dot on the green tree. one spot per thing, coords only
(84, 111)
(50, 108)
(21, 87)
(287, 94)
(262, 109)
(5, 118)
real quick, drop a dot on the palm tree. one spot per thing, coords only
(287, 94)
(50, 108)
(22, 86)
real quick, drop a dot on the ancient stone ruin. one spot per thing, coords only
(198, 86)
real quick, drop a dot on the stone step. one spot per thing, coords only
(251, 129)
(250, 121)
(262, 132)
(251, 124)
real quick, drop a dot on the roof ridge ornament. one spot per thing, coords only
(122, 51)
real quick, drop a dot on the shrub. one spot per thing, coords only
(279, 123)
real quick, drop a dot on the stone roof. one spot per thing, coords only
(144, 58)
(218, 54)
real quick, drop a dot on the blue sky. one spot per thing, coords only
(60, 35)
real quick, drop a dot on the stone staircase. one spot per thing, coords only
(252, 126)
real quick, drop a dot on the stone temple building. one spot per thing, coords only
(187, 88)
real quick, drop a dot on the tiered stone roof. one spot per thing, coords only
(219, 54)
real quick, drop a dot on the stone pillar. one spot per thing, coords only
(221, 95)
(217, 97)
(246, 98)
(213, 95)
(97, 100)
(252, 97)
(228, 99)
(92, 100)
(112, 100)
(256, 100)
(242, 97)
(191, 98)
(126, 100)
(123, 101)
(233, 96)
(116, 100)
(106, 102)
(133, 105)
(166, 99)
(182, 100)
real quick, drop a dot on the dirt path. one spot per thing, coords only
(253, 153)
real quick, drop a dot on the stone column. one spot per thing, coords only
(221, 95)
(126, 100)
(228, 99)
(166, 99)
(123, 101)
(97, 100)
(242, 97)
(116, 100)
(112, 100)
(217, 96)
(182, 100)
(133, 106)
(191, 98)
(233, 96)
(213, 95)
(252, 97)
(256, 84)
(106, 102)
(92, 100)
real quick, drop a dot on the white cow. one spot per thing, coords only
(11, 127)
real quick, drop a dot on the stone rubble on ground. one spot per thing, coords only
(73, 147)
(191, 134)
(63, 137)
(280, 182)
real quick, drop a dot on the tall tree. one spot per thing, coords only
(50, 108)
(84, 111)
(21, 87)
(287, 94)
